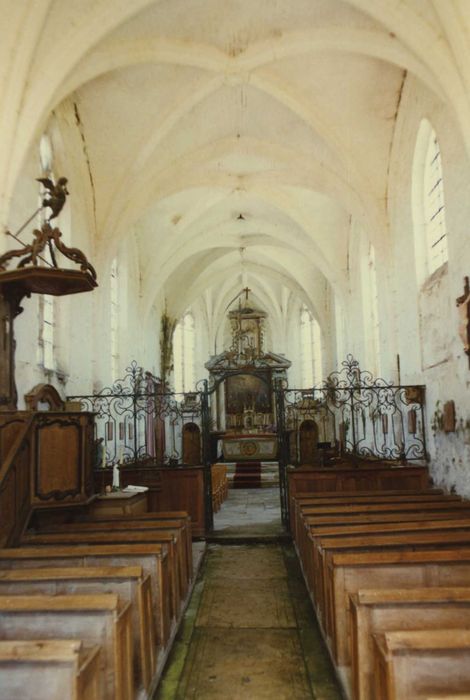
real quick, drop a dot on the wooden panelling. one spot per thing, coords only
(62, 458)
(170, 489)
(183, 489)
(370, 477)
(58, 458)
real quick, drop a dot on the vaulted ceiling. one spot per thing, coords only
(236, 140)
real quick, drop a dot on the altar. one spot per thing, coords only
(244, 380)
(257, 446)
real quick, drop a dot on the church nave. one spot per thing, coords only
(249, 632)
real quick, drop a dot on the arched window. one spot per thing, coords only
(428, 203)
(310, 349)
(114, 319)
(183, 354)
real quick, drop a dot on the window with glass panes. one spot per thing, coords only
(434, 207)
(183, 354)
(114, 319)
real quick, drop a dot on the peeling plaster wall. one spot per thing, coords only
(425, 315)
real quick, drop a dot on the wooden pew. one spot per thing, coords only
(121, 537)
(153, 558)
(352, 571)
(174, 527)
(94, 619)
(325, 506)
(373, 476)
(411, 536)
(129, 583)
(309, 555)
(415, 664)
(414, 541)
(179, 515)
(302, 502)
(379, 611)
(219, 485)
(45, 669)
(340, 512)
(360, 519)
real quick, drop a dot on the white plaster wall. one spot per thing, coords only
(425, 316)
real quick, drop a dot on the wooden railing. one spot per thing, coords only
(45, 461)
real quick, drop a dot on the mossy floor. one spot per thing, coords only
(249, 632)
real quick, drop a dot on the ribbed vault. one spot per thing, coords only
(236, 141)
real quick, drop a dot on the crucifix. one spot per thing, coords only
(247, 291)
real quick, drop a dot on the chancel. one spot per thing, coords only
(234, 349)
(244, 378)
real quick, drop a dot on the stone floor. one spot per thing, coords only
(249, 513)
(249, 632)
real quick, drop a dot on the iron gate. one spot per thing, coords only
(353, 413)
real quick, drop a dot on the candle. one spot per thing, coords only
(116, 480)
(103, 455)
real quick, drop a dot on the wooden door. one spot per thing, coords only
(191, 444)
(308, 441)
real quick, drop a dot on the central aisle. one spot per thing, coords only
(249, 633)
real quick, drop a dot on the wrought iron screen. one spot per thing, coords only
(138, 421)
(358, 414)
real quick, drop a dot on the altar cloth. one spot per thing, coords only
(250, 447)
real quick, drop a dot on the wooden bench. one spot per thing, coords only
(46, 669)
(306, 503)
(219, 485)
(412, 536)
(94, 619)
(129, 583)
(117, 537)
(415, 664)
(153, 559)
(352, 571)
(379, 611)
(414, 541)
(180, 515)
(314, 544)
(340, 513)
(370, 476)
(303, 500)
(396, 521)
(129, 525)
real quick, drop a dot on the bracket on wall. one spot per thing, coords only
(463, 307)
